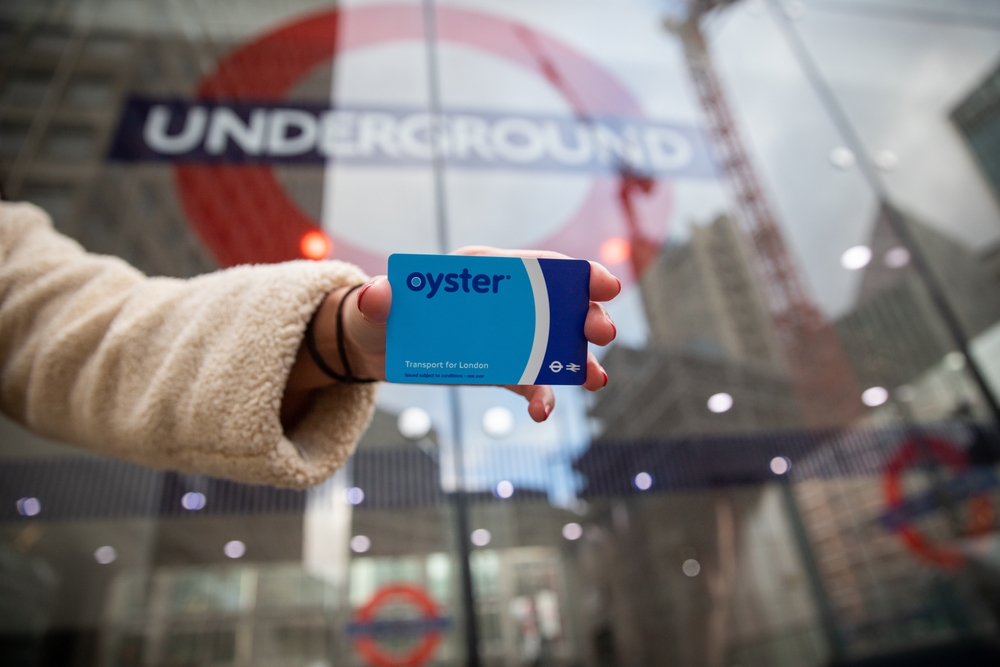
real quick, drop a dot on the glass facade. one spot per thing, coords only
(795, 460)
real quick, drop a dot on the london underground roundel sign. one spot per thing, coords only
(368, 630)
(226, 143)
(967, 486)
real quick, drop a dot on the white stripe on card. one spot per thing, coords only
(541, 342)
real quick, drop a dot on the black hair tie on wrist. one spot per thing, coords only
(348, 376)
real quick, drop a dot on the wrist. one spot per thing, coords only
(348, 364)
(323, 329)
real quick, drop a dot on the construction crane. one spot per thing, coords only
(825, 384)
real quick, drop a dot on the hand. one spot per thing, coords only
(365, 315)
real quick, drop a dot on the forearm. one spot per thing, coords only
(182, 374)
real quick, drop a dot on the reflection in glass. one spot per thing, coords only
(720, 402)
(498, 422)
(414, 423)
(744, 342)
(504, 489)
(572, 531)
(354, 496)
(875, 396)
(193, 501)
(856, 257)
(643, 481)
(896, 258)
(842, 158)
(780, 465)
(360, 544)
(691, 567)
(29, 506)
(105, 555)
(234, 549)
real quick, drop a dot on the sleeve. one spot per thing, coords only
(180, 374)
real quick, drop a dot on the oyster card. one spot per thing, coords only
(487, 320)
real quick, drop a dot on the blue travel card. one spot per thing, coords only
(458, 319)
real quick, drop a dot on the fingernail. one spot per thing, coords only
(614, 329)
(605, 378)
(548, 411)
(619, 285)
(364, 289)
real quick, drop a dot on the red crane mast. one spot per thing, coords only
(825, 384)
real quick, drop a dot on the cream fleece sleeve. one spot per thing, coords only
(180, 374)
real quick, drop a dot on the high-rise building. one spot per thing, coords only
(978, 118)
(703, 295)
(646, 559)
(60, 100)
(710, 333)
(663, 392)
(894, 333)
(60, 97)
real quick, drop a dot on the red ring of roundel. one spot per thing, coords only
(243, 214)
(422, 651)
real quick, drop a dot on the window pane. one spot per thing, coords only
(794, 459)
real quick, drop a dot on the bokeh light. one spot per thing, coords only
(720, 402)
(780, 465)
(886, 160)
(615, 251)
(354, 496)
(875, 396)
(896, 258)
(842, 157)
(504, 489)
(955, 360)
(105, 555)
(28, 506)
(481, 537)
(315, 245)
(856, 257)
(234, 549)
(498, 422)
(691, 567)
(643, 481)
(193, 501)
(572, 531)
(360, 544)
(414, 423)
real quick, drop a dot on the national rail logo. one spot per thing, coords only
(226, 142)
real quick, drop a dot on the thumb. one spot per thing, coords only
(365, 315)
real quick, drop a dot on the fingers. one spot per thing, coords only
(541, 399)
(367, 321)
(502, 252)
(597, 378)
(603, 285)
(599, 329)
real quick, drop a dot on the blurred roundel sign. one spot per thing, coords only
(369, 630)
(226, 143)
(967, 490)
